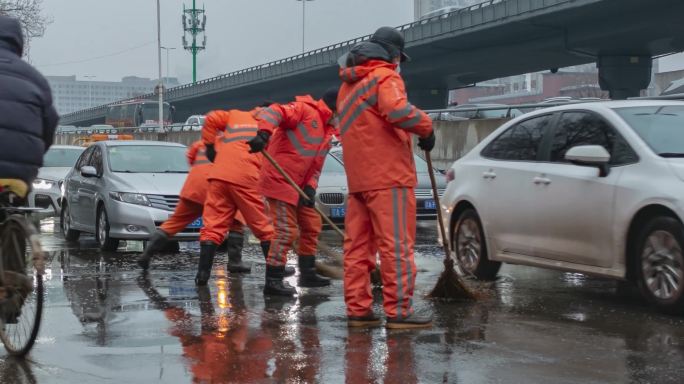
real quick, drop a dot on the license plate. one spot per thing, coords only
(337, 211)
(430, 204)
(196, 224)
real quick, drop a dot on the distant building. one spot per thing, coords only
(72, 95)
(576, 82)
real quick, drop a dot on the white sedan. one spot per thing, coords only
(594, 188)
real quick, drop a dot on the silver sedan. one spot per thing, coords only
(124, 190)
(45, 194)
(332, 190)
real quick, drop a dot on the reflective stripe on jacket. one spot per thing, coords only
(299, 144)
(233, 162)
(376, 123)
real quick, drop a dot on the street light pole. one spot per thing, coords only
(167, 49)
(90, 90)
(161, 81)
(304, 24)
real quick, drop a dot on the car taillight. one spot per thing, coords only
(450, 175)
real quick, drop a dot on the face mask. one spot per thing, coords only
(398, 68)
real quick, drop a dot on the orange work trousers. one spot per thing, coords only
(224, 200)
(291, 222)
(382, 220)
(188, 211)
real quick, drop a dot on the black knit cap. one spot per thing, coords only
(330, 98)
(392, 40)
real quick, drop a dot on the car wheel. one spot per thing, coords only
(659, 263)
(65, 223)
(471, 249)
(102, 232)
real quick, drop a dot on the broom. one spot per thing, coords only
(449, 285)
(325, 269)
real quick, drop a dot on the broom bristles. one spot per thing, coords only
(450, 286)
(331, 271)
(333, 256)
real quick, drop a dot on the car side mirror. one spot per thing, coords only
(590, 156)
(88, 171)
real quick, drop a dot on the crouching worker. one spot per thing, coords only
(189, 209)
(233, 185)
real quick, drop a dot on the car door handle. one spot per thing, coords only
(489, 175)
(541, 180)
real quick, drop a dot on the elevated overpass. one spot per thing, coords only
(493, 39)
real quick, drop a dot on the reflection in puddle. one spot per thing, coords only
(576, 316)
(531, 324)
(574, 279)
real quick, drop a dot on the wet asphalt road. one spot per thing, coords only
(105, 324)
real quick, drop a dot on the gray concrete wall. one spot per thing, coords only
(454, 138)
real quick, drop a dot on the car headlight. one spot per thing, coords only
(43, 184)
(131, 198)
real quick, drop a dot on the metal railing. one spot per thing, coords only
(517, 7)
(508, 111)
(127, 130)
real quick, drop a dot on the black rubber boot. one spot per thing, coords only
(235, 242)
(307, 273)
(206, 261)
(275, 286)
(265, 246)
(156, 243)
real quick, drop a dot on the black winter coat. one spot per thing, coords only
(27, 116)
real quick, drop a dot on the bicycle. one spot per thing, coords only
(22, 264)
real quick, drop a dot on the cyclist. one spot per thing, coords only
(27, 117)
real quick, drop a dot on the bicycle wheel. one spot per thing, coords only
(22, 266)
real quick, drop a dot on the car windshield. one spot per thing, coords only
(660, 126)
(61, 157)
(421, 165)
(201, 119)
(147, 159)
(332, 165)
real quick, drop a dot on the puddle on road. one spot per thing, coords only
(104, 321)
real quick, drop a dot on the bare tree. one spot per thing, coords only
(29, 13)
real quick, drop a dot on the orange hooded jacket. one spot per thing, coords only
(299, 145)
(233, 163)
(197, 182)
(376, 123)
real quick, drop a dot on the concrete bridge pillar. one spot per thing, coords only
(624, 76)
(431, 98)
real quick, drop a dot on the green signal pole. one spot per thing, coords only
(194, 44)
(194, 22)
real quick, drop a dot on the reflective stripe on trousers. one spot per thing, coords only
(384, 222)
(291, 223)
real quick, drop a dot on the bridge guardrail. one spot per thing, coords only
(509, 109)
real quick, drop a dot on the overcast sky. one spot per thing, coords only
(240, 33)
